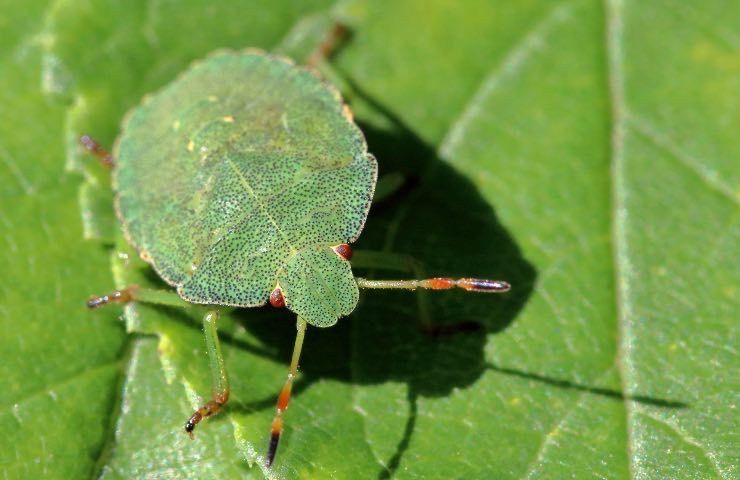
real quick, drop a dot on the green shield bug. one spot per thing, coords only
(243, 182)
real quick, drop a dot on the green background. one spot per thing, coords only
(584, 151)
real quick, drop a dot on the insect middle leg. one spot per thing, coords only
(369, 259)
(219, 379)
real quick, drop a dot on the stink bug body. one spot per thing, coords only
(243, 182)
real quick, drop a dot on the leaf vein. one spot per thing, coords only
(511, 64)
(710, 456)
(661, 140)
(613, 43)
(550, 435)
(79, 375)
(16, 172)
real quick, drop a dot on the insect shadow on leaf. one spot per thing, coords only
(440, 218)
(433, 344)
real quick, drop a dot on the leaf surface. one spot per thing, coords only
(60, 370)
(585, 152)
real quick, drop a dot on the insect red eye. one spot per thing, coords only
(344, 251)
(276, 298)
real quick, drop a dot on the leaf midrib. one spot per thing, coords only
(516, 57)
(615, 78)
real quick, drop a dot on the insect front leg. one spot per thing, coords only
(329, 44)
(219, 379)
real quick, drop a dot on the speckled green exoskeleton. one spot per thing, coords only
(243, 182)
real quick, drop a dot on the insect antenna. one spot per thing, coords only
(106, 159)
(284, 397)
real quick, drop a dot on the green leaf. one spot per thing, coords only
(610, 163)
(60, 370)
(585, 152)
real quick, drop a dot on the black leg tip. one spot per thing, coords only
(272, 449)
